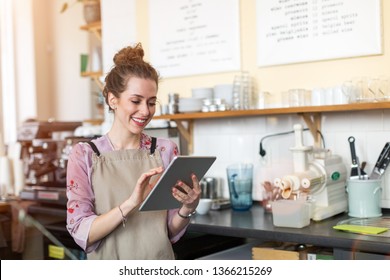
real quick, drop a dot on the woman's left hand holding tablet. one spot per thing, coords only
(187, 195)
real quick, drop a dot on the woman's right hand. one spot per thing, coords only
(144, 186)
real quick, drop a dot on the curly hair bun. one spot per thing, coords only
(129, 55)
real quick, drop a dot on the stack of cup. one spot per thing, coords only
(242, 92)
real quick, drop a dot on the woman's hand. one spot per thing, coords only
(188, 196)
(144, 186)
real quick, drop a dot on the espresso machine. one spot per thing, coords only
(316, 188)
(45, 150)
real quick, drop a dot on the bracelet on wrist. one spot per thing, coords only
(188, 216)
(124, 219)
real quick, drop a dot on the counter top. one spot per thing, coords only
(259, 225)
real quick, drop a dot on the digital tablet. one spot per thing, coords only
(180, 168)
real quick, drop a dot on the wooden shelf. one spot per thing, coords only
(95, 28)
(277, 111)
(310, 114)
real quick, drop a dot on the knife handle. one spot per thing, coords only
(385, 153)
(351, 141)
(385, 162)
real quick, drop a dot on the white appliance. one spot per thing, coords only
(316, 188)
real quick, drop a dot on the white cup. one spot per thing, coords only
(204, 206)
(318, 97)
(297, 97)
(339, 96)
(329, 96)
(351, 91)
(262, 101)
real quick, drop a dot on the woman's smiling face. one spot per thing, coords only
(136, 105)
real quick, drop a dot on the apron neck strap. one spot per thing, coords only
(94, 148)
(153, 146)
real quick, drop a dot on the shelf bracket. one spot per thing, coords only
(95, 28)
(97, 33)
(187, 133)
(98, 82)
(95, 76)
(313, 121)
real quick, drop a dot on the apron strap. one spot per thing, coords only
(153, 146)
(94, 148)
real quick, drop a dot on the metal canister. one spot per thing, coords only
(209, 186)
(173, 108)
(173, 98)
(173, 103)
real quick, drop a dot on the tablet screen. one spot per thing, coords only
(180, 168)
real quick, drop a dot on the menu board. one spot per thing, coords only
(194, 36)
(290, 31)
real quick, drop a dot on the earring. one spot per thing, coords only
(113, 107)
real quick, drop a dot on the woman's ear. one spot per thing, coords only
(112, 101)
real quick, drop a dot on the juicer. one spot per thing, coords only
(316, 188)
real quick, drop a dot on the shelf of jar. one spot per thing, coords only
(310, 114)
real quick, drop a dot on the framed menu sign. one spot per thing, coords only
(297, 31)
(189, 37)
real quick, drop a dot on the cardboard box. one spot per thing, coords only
(275, 251)
(289, 251)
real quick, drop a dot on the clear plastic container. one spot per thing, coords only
(291, 213)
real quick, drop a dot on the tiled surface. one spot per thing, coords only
(237, 140)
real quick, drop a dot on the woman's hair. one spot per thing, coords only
(128, 63)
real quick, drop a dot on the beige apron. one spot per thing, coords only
(114, 176)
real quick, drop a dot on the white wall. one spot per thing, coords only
(116, 19)
(43, 47)
(237, 140)
(25, 63)
(17, 66)
(72, 92)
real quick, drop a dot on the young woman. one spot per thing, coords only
(109, 177)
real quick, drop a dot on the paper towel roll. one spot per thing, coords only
(19, 179)
(6, 177)
(2, 146)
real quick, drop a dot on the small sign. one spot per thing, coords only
(48, 195)
(56, 252)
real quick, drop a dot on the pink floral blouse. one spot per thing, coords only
(80, 205)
